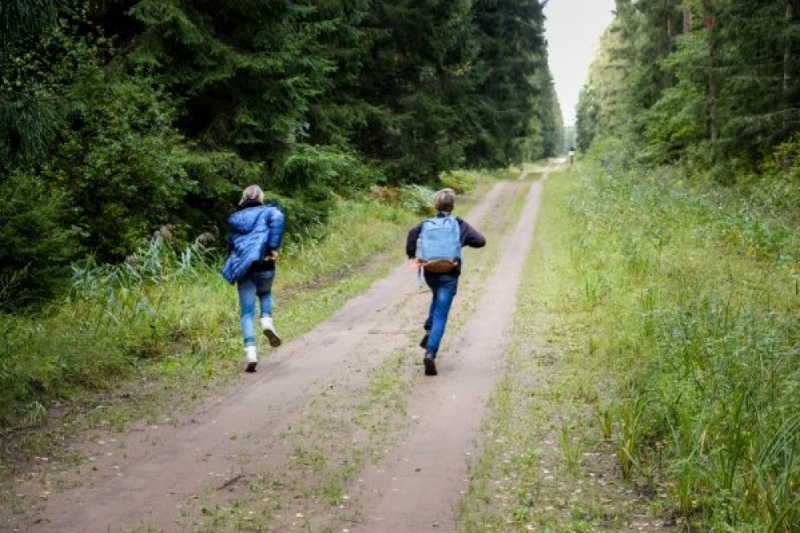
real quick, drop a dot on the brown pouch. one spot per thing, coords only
(439, 266)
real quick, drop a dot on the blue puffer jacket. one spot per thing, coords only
(255, 231)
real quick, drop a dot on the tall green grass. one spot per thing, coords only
(113, 320)
(692, 305)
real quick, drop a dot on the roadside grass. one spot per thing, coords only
(544, 465)
(705, 295)
(676, 314)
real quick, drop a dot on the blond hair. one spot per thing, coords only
(444, 200)
(253, 193)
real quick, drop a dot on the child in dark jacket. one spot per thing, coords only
(443, 285)
(256, 233)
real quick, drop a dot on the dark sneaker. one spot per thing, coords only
(251, 366)
(269, 330)
(272, 338)
(424, 342)
(430, 364)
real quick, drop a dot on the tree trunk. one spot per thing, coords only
(687, 18)
(788, 67)
(708, 19)
(668, 17)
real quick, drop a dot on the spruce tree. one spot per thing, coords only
(510, 40)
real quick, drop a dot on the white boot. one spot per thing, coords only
(250, 358)
(269, 330)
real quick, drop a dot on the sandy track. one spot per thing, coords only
(153, 479)
(419, 486)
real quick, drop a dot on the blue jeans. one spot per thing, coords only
(254, 284)
(444, 288)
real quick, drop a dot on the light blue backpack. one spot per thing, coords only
(439, 244)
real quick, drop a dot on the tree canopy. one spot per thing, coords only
(709, 82)
(130, 115)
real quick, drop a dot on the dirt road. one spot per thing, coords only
(419, 486)
(339, 430)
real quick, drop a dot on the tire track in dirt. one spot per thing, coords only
(419, 487)
(156, 474)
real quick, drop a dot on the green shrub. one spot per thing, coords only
(122, 163)
(460, 181)
(776, 190)
(417, 198)
(115, 318)
(36, 245)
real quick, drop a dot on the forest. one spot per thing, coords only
(707, 84)
(655, 336)
(120, 118)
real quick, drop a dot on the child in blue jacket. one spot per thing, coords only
(256, 233)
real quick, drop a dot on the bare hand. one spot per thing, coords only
(414, 262)
(273, 255)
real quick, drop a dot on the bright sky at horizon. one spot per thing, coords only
(573, 29)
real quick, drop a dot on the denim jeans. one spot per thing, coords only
(251, 285)
(444, 288)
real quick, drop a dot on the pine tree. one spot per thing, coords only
(510, 37)
(28, 113)
(413, 87)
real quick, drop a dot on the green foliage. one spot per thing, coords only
(19, 19)
(35, 244)
(417, 198)
(726, 81)
(103, 141)
(511, 50)
(37, 65)
(676, 121)
(122, 162)
(414, 87)
(775, 191)
(28, 125)
(115, 318)
(315, 172)
(586, 119)
(247, 72)
(612, 153)
(313, 177)
(460, 181)
(604, 108)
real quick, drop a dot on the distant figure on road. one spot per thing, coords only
(571, 155)
(434, 247)
(256, 232)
